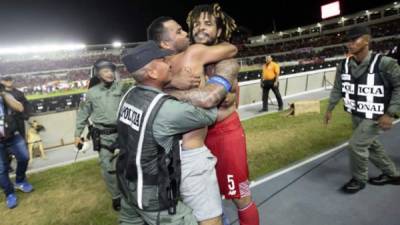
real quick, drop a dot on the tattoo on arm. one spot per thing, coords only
(212, 94)
(228, 69)
(207, 97)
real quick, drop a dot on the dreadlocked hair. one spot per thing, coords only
(224, 22)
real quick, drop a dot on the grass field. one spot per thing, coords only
(56, 94)
(75, 194)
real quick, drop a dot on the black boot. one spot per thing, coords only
(384, 179)
(116, 204)
(353, 186)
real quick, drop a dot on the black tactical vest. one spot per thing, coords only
(367, 96)
(155, 172)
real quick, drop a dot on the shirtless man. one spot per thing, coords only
(209, 25)
(199, 187)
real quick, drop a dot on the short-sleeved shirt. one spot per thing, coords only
(176, 117)
(270, 71)
(101, 105)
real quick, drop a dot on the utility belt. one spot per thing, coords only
(95, 134)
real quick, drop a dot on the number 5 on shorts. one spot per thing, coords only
(231, 185)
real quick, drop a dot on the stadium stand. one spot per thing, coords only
(312, 47)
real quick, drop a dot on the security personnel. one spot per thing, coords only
(150, 125)
(270, 80)
(370, 87)
(100, 106)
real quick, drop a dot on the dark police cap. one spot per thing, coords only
(357, 31)
(136, 58)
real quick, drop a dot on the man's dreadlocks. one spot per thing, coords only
(224, 21)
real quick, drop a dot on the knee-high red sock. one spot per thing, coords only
(249, 215)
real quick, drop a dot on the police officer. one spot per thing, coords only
(369, 84)
(150, 126)
(100, 107)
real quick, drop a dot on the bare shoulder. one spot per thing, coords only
(194, 49)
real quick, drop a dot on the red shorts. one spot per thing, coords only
(227, 141)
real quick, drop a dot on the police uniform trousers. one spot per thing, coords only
(364, 146)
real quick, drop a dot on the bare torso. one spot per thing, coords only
(180, 63)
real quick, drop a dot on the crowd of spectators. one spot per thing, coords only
(63, 72)
(378, 30)
(306, 54)
(36, 65)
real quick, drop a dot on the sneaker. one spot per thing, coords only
(24, 187)
(116, 204)
(11, 201)
(353, 186)
(263, 110)
(384, 179)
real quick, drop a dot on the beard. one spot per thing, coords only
(204, 38)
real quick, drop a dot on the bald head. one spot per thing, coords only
(268, 58)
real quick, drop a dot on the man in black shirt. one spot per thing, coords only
(8, 83)
(20, 117)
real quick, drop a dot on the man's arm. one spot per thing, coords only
(202, 55)
(12, 102)
(232, 97)
(262, 77)
(184, 79)
(212, 94)
(392, 73)
(277, 73)
(27, 105)
(336, 95)
(177, 117)
(82, 116)
(210, 54)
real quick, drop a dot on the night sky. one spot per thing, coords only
(99, 22)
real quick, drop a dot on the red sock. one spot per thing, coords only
(249, 215)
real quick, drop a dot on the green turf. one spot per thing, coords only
(56, 94)
(76, 194)
(275, 141)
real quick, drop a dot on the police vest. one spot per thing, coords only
(153, 171)
(8, 124)
(367, 96)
